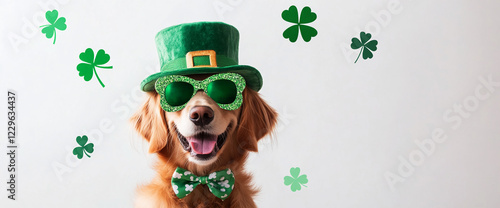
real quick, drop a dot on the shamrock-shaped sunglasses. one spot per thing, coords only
(224, 88)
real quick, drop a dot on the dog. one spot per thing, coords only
(177, 137)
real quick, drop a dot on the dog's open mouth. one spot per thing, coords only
(203, 146)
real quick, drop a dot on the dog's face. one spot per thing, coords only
(202, 135)
(202, 128)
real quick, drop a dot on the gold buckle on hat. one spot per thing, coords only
(192, 54)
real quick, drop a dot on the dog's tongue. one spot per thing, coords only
(202, 145)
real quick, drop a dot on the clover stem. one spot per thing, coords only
(89, 155)
(359, 54)
(54, 37)
(105, 67)
(95, 72)
(304, 185)
(45, 25)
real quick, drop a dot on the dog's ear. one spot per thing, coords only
(257, 119)
(151, 123)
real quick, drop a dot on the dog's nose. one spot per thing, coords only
(201, 115)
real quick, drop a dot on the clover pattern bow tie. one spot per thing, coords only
(220, 183)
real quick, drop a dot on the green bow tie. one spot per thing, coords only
(220, 183)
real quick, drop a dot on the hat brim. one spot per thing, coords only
(252, 76)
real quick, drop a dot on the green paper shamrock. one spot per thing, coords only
(50, 29)
(296, 181)
(84, 147)
(306, 16)
(364, 45)
(87, 69)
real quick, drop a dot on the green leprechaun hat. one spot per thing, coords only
(200, 48)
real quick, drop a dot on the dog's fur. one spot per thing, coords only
(244, 127)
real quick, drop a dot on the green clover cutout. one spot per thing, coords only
(87, 70)
(306, 16)
(55, 23)
(365, 45)
(295, 180)
(83, 148)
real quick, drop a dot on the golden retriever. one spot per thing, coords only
(237, 132)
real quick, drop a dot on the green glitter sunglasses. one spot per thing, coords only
(224, 88)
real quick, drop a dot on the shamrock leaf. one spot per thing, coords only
(87, 69)
(55, 23)
(306, 16)
(83, 148)
(291, 15)
(296, 180)
(291, 33)
(366, 46)
(307, 32)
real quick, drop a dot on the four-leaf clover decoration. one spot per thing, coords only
(55, 23)
(83, 148)
(306, 16)
(365, 45)
(295, 180)
(87, 69)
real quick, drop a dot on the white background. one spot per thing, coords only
(345, 125)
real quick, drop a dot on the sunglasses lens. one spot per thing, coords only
(178, 93)
(222, 91)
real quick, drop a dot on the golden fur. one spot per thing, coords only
(251, 122)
